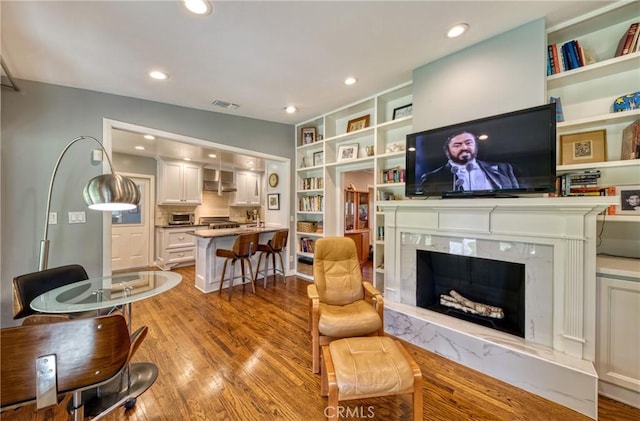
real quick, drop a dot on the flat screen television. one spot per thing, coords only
(502, 155)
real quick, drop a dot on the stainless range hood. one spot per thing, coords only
(214, 178)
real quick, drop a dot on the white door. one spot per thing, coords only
(130, 232)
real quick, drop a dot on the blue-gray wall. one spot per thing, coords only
(502, 74)
(36, 124)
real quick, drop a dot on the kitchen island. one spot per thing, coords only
(208, 266)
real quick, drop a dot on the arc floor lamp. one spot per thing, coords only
(105, 192)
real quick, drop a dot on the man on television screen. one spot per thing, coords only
(465, 172)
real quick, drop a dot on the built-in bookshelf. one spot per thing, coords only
(320, 165)
(588, 92)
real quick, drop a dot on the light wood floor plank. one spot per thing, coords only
(250, 359)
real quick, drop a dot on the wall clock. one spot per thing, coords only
(273, 179)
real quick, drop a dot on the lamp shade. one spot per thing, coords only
(111, 192)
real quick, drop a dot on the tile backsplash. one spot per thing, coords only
(212, 205)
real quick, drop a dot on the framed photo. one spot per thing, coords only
(273, 201)
(629, 200)
(308, 135)
(358, 123)
(585, 147)
(404, 111)
(348, 152)
(318, 158)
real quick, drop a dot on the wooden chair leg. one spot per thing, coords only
(417, 383)
(253, 284)
(329, 385)
(233, 266)
(224, 269)
(417, 398)
(258, 269)
(284, 277)
(315, 352)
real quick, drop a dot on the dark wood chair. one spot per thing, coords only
(273, 248)
(29, 286)
(243, 249)
(42, 363)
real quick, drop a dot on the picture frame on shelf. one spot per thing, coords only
(584, 147)
(403, 111)
(629, 200)
(318, 158)
(348, 152)
(308, 135)
(273, 201)
(358, 123)
(631, 141)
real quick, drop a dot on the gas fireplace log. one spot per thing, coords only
(448, 301)
(472, 306)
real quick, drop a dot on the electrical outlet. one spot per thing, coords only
(53, 218)
(77, 217)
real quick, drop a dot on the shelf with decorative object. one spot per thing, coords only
(366, 135)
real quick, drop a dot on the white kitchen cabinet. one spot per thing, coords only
(175, 247)
(618, 329)
(179, 183)
(248, 189)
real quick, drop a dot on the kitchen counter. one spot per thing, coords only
(208, 266)
(182, 226)
(226, 232)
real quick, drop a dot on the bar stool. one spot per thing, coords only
(243, 249)
(274, 247)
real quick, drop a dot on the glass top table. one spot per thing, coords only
(105, 292)
(114, 292)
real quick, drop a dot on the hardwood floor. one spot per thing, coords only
(250, 359)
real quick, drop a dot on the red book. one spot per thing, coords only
(627, 39)
(556, 63)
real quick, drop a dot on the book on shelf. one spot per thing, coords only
(559, 112)
(631, 141)
(392, 175)
(568, 56)
(306, 244)
(626, 44)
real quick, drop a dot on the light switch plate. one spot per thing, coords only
(77, 217)
(53, 218)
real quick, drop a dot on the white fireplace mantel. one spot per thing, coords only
(566, 226)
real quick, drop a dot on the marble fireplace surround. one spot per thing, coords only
(555, 238)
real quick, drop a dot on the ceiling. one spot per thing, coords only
(125, 141)
(262, 55)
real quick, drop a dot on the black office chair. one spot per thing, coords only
(31, 285)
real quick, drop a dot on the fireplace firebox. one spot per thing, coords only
(483, 291)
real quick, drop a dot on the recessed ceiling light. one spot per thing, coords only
(140, 148)
(199, 7)
(187, 159)
(149, 137)
(212, 155)
(483, 137)
(350, 81)
(157, 74)
(457, 30)
(291, 109)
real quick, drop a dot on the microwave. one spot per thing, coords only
(181, 218)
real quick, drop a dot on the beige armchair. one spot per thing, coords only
(341, 304)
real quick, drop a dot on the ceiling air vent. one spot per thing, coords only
(225, 104)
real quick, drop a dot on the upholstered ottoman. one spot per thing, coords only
(366, 367)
